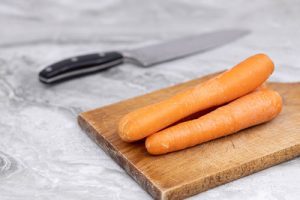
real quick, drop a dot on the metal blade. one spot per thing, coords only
(154, 54)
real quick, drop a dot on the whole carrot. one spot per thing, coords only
(236, 82)
(252, 109)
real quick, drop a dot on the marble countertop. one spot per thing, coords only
(43, 152)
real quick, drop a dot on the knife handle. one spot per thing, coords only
(79, 65)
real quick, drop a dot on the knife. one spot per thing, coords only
(144, 56)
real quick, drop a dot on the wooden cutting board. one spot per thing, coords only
(188, 172)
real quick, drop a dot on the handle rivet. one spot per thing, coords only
(48, 69)
(74, 59)
(101, 54)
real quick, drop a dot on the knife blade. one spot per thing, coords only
(144, 56)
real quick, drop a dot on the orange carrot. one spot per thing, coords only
(262, 87)
(236, 82)
(249, 110)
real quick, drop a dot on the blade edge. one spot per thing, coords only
(181, 47)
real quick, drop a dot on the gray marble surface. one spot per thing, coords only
(43, 152)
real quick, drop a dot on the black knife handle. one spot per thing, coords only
(79, 65)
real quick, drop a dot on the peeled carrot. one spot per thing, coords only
(249, 110)
(236, 82)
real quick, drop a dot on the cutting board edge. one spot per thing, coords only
(232, 174)
(125, 164)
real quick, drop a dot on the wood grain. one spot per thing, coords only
(188, 172)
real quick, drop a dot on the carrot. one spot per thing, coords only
(249, 110)
(262, 87)
(236, 82)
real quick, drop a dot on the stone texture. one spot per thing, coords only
(43, 152)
